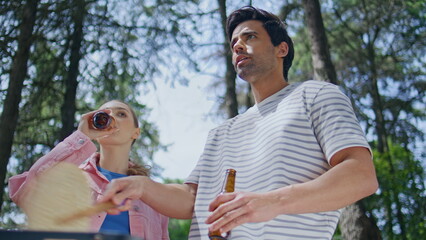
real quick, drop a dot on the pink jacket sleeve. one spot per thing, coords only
(165, 225)
(75, 149)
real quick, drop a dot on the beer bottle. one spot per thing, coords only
(228, 186)
(101, 120)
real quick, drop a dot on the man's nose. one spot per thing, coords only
(238, 47)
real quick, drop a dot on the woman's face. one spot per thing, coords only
(124, 121)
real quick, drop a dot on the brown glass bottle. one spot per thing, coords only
(101, 120)
(228, 186)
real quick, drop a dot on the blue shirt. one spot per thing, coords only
(118, 224)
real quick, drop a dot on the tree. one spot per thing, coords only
(354, 224)
(377, 48)
(230, 75)
(321, 60)
(409, 182)
(10, 113)
(236, 95)
(68, 108)
(379, 36)
(100, 55)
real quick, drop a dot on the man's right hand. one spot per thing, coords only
(121, 191)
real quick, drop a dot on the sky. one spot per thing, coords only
(180, 114)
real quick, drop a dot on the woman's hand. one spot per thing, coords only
(94, 134)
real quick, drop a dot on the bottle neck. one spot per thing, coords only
(229, 183)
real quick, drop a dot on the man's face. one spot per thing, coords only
(253, 54)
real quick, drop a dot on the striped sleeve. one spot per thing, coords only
(334, 122)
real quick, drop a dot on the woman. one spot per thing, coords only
(112, 161)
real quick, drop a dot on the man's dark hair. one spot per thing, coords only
(273, 25)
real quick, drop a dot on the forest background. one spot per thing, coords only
(60, 59)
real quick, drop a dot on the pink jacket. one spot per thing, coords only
(145, 222)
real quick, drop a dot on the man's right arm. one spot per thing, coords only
(172, 200)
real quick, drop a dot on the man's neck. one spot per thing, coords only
(265, 88)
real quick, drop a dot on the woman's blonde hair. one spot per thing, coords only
(137, 169)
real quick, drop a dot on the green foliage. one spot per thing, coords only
(179, 229)
(378, 51)
(371, 49)
(129, 43)
(401, 175)
(337, 235)
(301, 69)
(382, 70)
(123, 49)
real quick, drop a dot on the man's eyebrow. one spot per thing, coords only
(249, 32)
(244, 33)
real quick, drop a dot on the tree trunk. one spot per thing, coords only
(354, 223)
(68, 108)
(231, 96)
(323, 67)
(10, 114)
(287, 8)
(382, 136)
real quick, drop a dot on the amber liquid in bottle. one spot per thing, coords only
(228, 186)
(101, 120)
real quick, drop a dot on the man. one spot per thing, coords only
(299, 152)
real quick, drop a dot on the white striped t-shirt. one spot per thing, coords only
(287, 138)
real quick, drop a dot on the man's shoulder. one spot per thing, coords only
(232, 122)
(316, 87)
(315, 84)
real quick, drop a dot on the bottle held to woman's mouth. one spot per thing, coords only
(101, 121)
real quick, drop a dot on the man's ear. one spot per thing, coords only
(282, 49)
